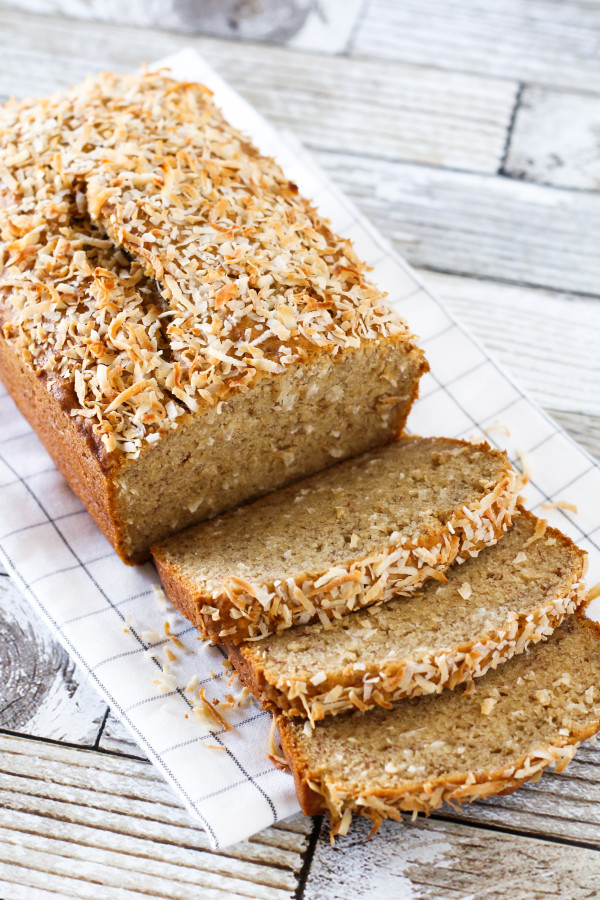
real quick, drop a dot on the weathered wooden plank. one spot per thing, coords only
(43, 692)
(585, 429)
(376, 108)
(102, 819)
(84, 869)
(84, 797)
(543, 338)
(379, 108)
(532, 40)
(297, 23)
(555, 139)
(427, 860)
(477, 225)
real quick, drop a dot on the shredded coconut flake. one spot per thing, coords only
(560, 504)
(487, 705)
(593, 592)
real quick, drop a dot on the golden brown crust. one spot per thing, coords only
(311, 802)
(72, 302)
(433, 670)
(341, 802)
(74, 454)
(270, 607)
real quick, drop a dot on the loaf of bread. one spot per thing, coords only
(236, 345)
(358, 533)
(491, 607)
(506, 728)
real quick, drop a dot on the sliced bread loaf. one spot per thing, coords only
(493, 606)
(356, 534)
(505, 729)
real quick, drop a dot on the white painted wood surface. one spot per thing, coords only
(115, 738)
(432, 115)
(327, 25)
(556, 139)
(478, 225)
(530, 331)
(94, 825)
(371, 108)
(430, 860)
(42, 691)
(537, 41)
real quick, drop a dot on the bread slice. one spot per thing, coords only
(177, 381)
(505, 729)
(351, 536)
(493, 606)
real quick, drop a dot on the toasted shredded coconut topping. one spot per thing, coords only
(428, 796)
(593, 592)
(245, 277)
(540, 531)
(428, 672)
(241, 610)
(488, 705)
(561, 504)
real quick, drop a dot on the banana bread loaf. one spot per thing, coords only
(493, 606)
(505, 729)
(236, 347)
(356, 534)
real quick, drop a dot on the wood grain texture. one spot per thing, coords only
(429, 860)
(76, 823)
(477, 225)
(555, 43)
(43, 692)
(556, 139)
(543, 338)
(377, 109)
(326, 25)
(563, 806)
(91, 825)
(582, 428)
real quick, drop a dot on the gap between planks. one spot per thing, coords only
(477, 225)
(103, 819)
(555, 139)
(433, 858)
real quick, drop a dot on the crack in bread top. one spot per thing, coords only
(217, 272)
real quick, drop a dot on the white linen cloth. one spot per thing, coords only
(110, 618)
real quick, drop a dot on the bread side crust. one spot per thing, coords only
(244, 611)
(347, 689)
(74, 455)
(91, 473)
(317, 793)
(431, 674)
